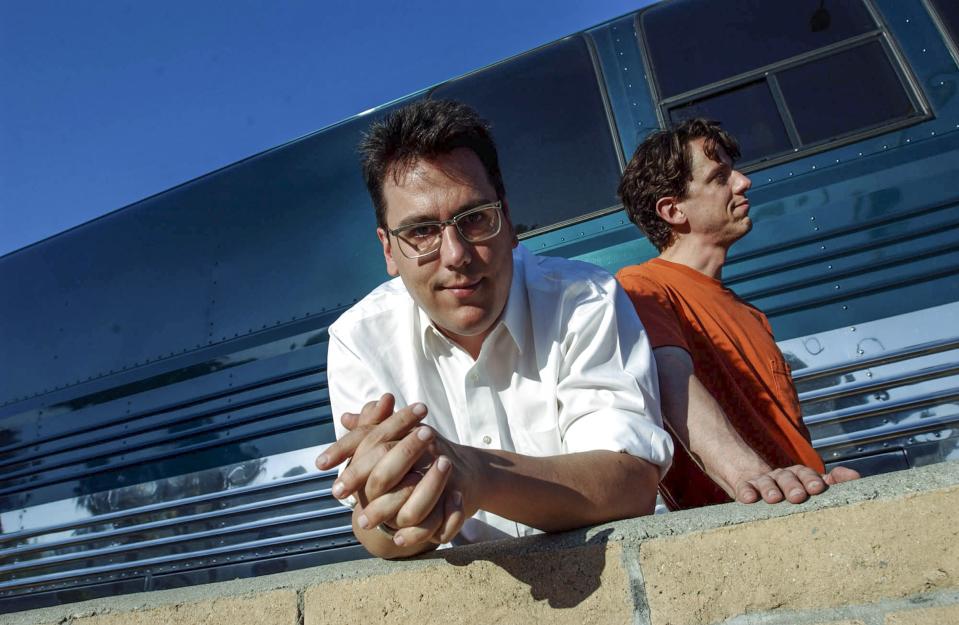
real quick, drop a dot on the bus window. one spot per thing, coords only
(810, 88)
(750, 107)
(558, 154)
(947, 13)
(767, 70)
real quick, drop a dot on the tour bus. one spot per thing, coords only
(163, 390)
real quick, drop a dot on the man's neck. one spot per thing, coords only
(706, 258)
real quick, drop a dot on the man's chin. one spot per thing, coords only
(466, 325)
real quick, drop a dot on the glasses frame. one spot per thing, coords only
(452, 221)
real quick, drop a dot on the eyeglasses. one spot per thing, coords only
(475, 225)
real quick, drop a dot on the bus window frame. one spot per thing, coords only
(922, 111)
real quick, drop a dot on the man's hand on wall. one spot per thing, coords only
(794, 484)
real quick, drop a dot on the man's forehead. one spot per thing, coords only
(698, 148)
(460, 165)
(450, 179)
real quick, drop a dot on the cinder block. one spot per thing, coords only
(577, 586)
(944, 615)
(278, 607)
(839, 556)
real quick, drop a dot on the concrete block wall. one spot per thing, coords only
(880, 551)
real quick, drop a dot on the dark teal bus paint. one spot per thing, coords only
(162, 368)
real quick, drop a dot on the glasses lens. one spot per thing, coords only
(479, 225)
(420, 239)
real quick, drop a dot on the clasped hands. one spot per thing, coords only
(403, 474)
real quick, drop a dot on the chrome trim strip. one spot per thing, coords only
(883, 433)
(159, 507)
(171, 540)
(919, 401)
(271, 542)
(179, 520)
(174, 407)
(905, 353)
(874, 384)
(290, 425)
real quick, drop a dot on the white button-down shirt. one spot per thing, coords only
(568, 368)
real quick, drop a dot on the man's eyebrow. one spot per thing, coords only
(419, 218)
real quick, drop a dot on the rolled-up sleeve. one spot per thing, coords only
(607, 391)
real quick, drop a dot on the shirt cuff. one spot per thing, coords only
(622, 432)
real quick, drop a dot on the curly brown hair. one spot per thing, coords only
(662, 166)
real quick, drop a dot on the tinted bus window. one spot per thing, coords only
(948, 13)
(749, 112)
(694, 43)
(811, 89)
(558, 154)
(783, 76)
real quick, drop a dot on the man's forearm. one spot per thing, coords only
(698, 422)
(557, 493)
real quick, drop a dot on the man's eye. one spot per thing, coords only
(422, 232)
(473, 219)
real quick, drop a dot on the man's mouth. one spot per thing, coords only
(462, 288)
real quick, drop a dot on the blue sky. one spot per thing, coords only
(107, 102)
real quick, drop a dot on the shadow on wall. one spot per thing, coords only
(565, 578)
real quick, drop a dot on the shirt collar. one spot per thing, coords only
(515, 316)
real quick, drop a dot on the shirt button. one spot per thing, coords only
(487, 440)
(473, 377)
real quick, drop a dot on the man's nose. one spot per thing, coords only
(454, 251)
(743, 183)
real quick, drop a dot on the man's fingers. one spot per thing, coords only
(400, 423)
(426, 494)
(768, 488)
(398, 462)
(350, 420)
(798, 482)
(747, 493)
(794, 484)
(371, 414)
(453, 517)
(375, 412)
(839, 475)
(359, 425)
(383, 509)
(419, 534)
(340, 451)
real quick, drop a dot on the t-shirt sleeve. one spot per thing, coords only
(655, 308)
(608, 391)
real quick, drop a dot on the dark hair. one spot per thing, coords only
(662, 166)
(424, 130)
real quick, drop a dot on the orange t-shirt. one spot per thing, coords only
(734, 356)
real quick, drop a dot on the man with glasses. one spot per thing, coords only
(486, 392)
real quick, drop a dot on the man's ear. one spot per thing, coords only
(669, 210)
(509, 222)
(384, 238)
